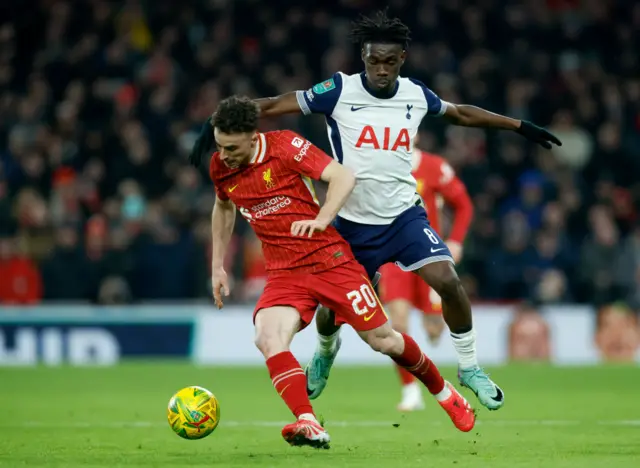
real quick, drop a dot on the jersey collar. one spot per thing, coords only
(261, 149)
(376, 94)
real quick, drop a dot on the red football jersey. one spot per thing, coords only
(437, 182)
(273, 191)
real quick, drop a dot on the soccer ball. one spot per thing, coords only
(193, 413)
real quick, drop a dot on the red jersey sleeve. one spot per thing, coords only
(302, 156)
(455, 195)
(213, 167)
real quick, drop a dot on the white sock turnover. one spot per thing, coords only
(465, 344)
(327, 344)
(444, 394)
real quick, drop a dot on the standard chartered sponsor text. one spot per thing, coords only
(270, 206)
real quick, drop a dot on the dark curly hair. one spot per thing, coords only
(236, 114)
(381, 29)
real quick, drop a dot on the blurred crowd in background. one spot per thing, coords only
(100, 101)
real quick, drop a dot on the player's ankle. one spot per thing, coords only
(444, 394)
(308, 417)
(327, 343)
(465, 345)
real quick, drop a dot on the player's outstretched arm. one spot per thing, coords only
(341, 183)
(222, 220)
(279, 105)
(472, 116)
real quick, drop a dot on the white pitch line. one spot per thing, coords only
(329, 424)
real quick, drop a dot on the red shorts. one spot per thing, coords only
(398, 284)
(344, 289)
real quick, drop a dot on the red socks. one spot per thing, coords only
(419, 365)
(406, 377)
(290, 382)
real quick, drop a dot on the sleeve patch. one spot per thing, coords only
(325, 86)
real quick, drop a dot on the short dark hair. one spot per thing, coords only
(236, 114)
(379, 28)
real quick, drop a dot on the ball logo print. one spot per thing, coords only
(193, 413)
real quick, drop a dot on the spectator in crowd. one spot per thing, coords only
(100, 101)
(617, 335)
(20, 281)
(529, 336)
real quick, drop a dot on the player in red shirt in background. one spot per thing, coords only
(268, 177)
(400, 290)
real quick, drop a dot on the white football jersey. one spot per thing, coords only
(374, 138)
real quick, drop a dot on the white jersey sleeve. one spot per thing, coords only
(322, 98)
(436, 107)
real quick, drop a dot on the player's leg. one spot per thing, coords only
(396, 291)
(366, 253)
(427, 255)
(432, 320)
(431, 307)
(275, 327)
(456, 309)
(405, 352)
(318, 369)
(347, 290)
(411, 394)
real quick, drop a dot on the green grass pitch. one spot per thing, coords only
(116, 417)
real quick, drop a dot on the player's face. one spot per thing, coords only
(382, 64)
(235, 149)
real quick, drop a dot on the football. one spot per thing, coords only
(193, 412)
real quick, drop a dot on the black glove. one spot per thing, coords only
(537, 134)
(202, 145)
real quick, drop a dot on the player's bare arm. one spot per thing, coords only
(223, 219)
(472, 116)
(341, 183)
(279, 105)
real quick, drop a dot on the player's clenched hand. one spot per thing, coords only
(300, 228)
(220, 285)
(538, 134)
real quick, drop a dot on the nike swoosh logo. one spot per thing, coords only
(231, 189)
(284, 389)
(354, 108)
(369, 317)
(436, 250)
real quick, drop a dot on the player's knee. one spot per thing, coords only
(447, 284)
(269, 343)
(401, 327)
(385, 340)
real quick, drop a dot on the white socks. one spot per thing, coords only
(327, 344)
(308, 417)
(465, 344)
(444, 394)
(412, 393)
